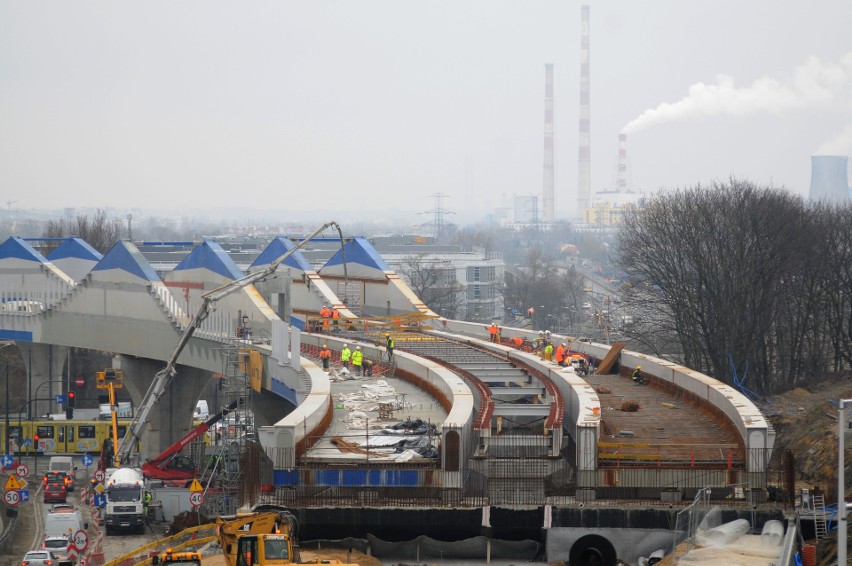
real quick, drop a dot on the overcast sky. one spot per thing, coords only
(370, 106)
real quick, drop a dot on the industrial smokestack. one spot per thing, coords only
(584, 177)
(549, 173)
(621, 171)
(830, 179)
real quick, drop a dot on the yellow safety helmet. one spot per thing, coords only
(638, 367)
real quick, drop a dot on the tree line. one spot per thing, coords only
(734, 278)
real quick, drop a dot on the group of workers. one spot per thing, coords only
(327, 315)
(361, 364)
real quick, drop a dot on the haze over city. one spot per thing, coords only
(369, 107)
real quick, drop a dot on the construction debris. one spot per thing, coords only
(603, 390)
(630, 406)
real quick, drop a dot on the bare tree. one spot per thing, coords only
(540, 284)
(714, 262)
(99, 231)
(434, 281)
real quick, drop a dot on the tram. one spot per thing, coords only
(60, 437)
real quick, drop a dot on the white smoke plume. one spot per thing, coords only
(813, 84)
(840, 144)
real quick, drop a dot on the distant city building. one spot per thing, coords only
(476, 276)
(608, 208)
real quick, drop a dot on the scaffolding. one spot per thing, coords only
(230, 437)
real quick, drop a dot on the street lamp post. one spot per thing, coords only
(6, 430)
(40, 385)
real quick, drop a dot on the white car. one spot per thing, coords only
(42, 558)
(56, 545)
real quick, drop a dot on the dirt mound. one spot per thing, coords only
(630, 406)
(186, 520)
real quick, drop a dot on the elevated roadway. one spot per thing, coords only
(496, 401)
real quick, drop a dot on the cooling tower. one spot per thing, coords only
(830, 178)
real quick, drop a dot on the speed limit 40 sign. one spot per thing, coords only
(196, 498)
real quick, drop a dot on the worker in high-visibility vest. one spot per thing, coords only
(325, 356)
(357, 359)
(345, 354)
(548, 352)
(560, 354)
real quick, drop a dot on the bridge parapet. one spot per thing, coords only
(757, 436)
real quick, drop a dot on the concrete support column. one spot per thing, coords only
(171, 417)
(45, 376)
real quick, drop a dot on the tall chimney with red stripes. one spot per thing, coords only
(548, 203)
(621, 172)
(584, 177)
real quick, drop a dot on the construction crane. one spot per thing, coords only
(164, 377)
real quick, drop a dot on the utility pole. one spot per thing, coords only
(130, 227)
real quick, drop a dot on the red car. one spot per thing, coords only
(55, 492)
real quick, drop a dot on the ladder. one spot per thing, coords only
(818, 502)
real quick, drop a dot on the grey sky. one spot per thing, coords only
(367, 106)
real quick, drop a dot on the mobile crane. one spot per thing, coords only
(164, 377)
(170, 465)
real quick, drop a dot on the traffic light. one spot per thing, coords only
(35, 442)
(69, 406)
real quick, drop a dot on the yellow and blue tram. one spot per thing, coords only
(61, 437)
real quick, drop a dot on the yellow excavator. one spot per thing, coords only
(180, 558)
(264, 538)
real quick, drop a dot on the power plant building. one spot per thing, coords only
(829, 179)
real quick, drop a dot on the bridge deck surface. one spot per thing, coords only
(663, 428)
(407, 402)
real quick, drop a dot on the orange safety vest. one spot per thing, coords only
(517, 341)
(493, 329)
(325, 353)
(335, 314)
(560, 354)
(325, 313)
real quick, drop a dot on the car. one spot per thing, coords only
(57, 545)
(42, 558)
(62, 508)
(55, 492)
(55, 477)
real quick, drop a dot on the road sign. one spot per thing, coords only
(25, 495)
(27, 442)
(81, 540)
(22, 470)
(7, 460)
(196, 498)
(87, 460)
(100, 500)
(99, 488)
(100, 475)
(12, 483)
(80, 381)
(12, 498)
(60, 399)
(195, 486)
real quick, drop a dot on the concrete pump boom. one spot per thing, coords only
(164, 377)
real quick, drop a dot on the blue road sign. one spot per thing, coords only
(25, 495)
(27, 442)
(100, 500)
(87, 460)
(60, 399)
(7, 460)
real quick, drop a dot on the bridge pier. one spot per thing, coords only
(45, 380)
(172, 415)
